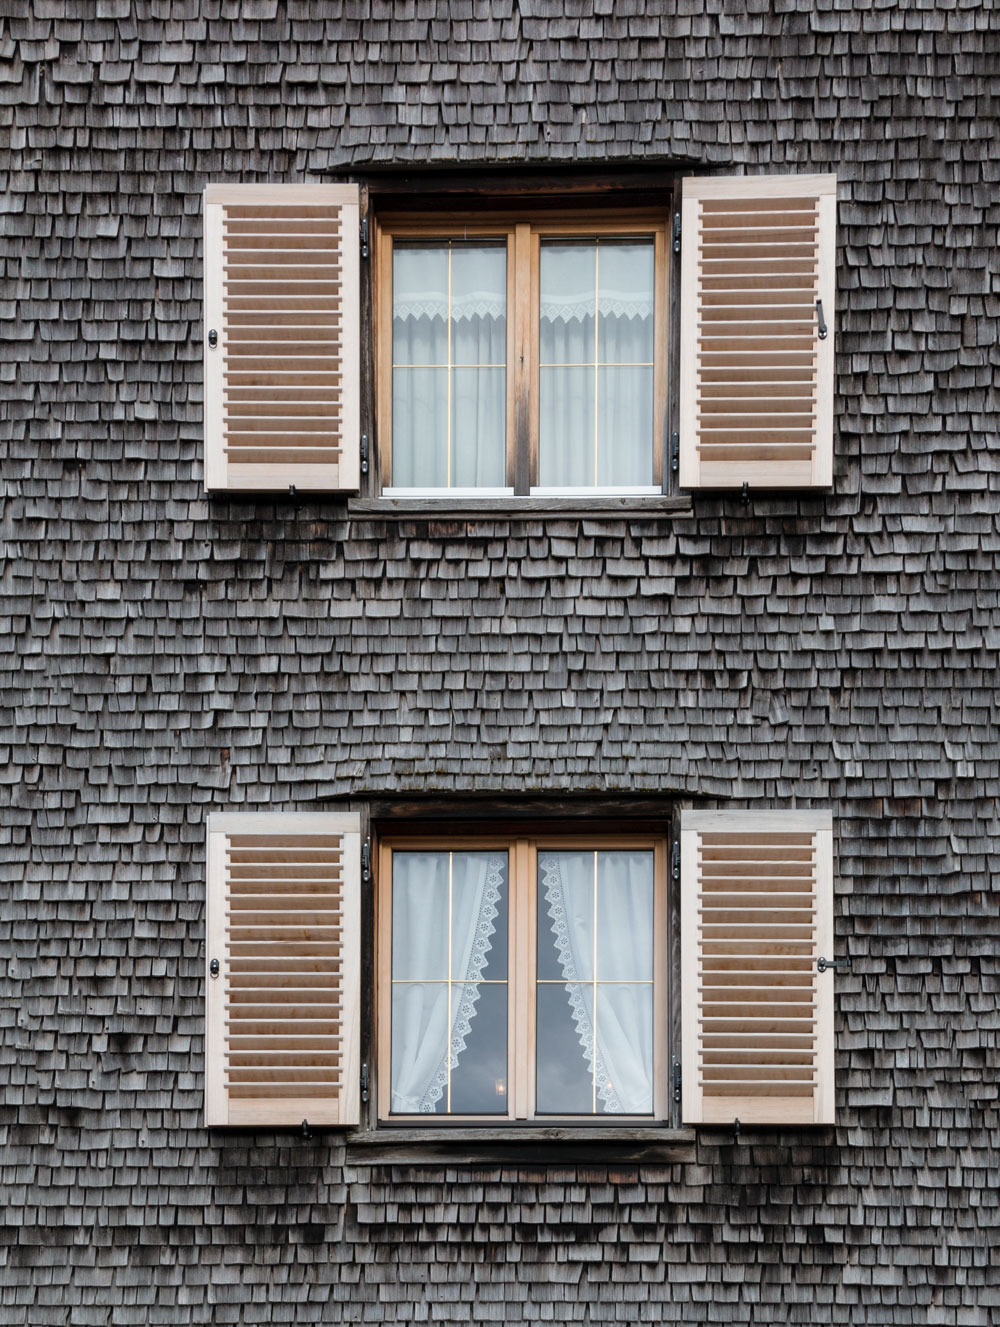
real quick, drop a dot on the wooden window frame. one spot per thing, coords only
(522, 852)
(523, 235)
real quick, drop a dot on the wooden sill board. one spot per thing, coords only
(402, 508)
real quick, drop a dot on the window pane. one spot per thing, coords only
(449, 982)
(596, 305)
(595, 981)
(595, 1049)
(449, 319)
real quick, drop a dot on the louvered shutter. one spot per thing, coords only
(282, 1015)
(281, 297)
(757, 1016)
(756, 385)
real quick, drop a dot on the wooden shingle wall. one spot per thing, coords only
(164, 655)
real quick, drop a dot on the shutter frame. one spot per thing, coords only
(313, 473)
(340, 1107)
(699, 1106)
(728, 469)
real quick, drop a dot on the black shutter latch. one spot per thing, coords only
(364, 453)
(364, 1082)
(366, 861)
(677, 1080)
(821, 321)
(823, 963)
(364, 238)
(675, 860)
(677, 232)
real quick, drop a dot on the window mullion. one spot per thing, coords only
(522, 980)
(521, 427)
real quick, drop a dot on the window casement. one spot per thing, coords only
(522, 357)
(522, 979)
(519, 979)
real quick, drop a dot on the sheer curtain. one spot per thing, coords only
(426, 1041)
(449, 355)
(596, 364)
(605, 952)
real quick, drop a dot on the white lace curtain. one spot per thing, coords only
(431, 1020)
(605, 953)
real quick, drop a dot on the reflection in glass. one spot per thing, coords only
(595, 377)
(595, 982)
(449, 982)
(449, 356)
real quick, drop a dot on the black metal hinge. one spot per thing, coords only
(366, 861)
(675, 860)
(677, 232)
(364, 1082)
(364, 453)
(675, 452)
(677, 1080)
(364, 238)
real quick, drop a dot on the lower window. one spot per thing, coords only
(522, 978)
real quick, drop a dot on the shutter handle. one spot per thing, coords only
(213, 338)
(821, 320)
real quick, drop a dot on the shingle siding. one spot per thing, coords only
(165, 654)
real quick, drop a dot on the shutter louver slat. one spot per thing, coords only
(758, 253)
(282, 1042)
(281, 289)
(756, 914)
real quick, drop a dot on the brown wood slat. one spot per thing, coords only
(283, 966)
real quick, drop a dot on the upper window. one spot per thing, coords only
(522, 358)
(523, 978)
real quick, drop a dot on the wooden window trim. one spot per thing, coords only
(522, 915)
(523, 234)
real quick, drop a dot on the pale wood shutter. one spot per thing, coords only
(283, 1014)
(757, 1015)
(281, 297)
(756, 385)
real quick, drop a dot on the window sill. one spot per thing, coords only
(537, 1145)
(463, 508)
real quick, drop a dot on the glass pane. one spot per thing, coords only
(478, 427)
(420, 428)
(625, 425)
(419, 1035)
(479, 303)
(566, 437)
(625, 1048)
(625, 302)
(419, 912)
(567, 301)
(420, 304)
(566, 920)
(624, 914)
(564, 1080)
(479, 915)
(479, 1074)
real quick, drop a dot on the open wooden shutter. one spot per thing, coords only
(756, 914)
(756, 386)
(282, 1014)
(281, 298)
